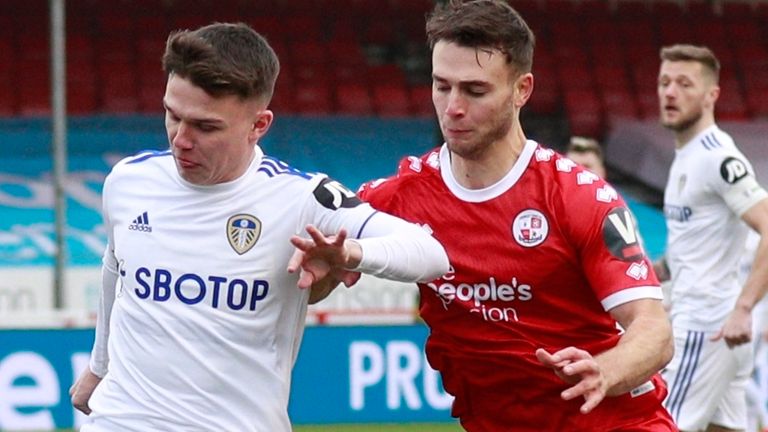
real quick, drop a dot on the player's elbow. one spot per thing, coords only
(437, 262)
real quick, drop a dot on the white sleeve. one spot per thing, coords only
(392, 248)
(398, 250)
(99, 363)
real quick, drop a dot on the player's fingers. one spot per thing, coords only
(581, 388)
(717, 336)
(550, 360)
(591, 401)
(306, 279)
(296, 259)
(545, 357)
(301, 243)
(318, 237)
(350, 278)
(340, 238)
(572, 354)
(587, 366)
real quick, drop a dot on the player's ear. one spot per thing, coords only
(261, 123)
(712, 95)
(523, 89)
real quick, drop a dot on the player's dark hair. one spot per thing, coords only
(224, 59)
(701, 54)
(579, 144)
(483, 24)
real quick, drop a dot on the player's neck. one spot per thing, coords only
(683, 137)
(490, 167)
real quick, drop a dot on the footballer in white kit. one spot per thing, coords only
(206, 322)
(711, 185)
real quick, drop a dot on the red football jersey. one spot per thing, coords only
(536, 261)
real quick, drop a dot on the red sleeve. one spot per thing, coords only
(605, 235)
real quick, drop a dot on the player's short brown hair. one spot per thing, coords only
(700, 54)
(224, 59)
(579, 144)
(483, 24)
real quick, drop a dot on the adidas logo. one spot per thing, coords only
(141, 223)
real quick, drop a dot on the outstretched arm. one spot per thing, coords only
(644, 348)
(389, 248)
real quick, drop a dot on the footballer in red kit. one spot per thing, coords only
(537, 260)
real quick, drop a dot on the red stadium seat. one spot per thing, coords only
(302, 27)
(391, 100)
(731, 105)
(33, 87)
(119, 91)
(307, 52)
(353, 99)
(575, 76)
(386, 73)
(311, 98)
(421, 101)
(649, 105)
(345, 53)
(618, 103)
(270, 27)
(757, 102)
(584, 112)
(546, 92)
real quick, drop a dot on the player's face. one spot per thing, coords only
(473, 92)
(589, 160)
(212, 139)
(686, 94)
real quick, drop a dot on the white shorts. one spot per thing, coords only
(707, 381)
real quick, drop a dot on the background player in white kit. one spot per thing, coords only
(206, 322)
(711, 189)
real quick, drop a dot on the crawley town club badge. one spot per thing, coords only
(243, 230)
(530, 228)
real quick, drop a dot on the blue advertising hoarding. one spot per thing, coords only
(342, 375)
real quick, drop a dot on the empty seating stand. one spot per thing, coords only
(596, 60)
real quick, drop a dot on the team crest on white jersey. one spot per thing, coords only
(530, 228)
(243, 231)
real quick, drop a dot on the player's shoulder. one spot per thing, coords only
(143, 163)
(713, 144)
(410, 170)
(717, 156)
(571, 181)
(276, 169)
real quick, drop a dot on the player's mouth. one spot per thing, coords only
(186, 163)
(671, 109)
(457, 132)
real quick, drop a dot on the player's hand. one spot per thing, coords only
(737, 329)
(322, 256)
(81, 391)
(578, 367)
(325, 286)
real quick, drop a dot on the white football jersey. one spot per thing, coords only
(207, 322)
(711, 184)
